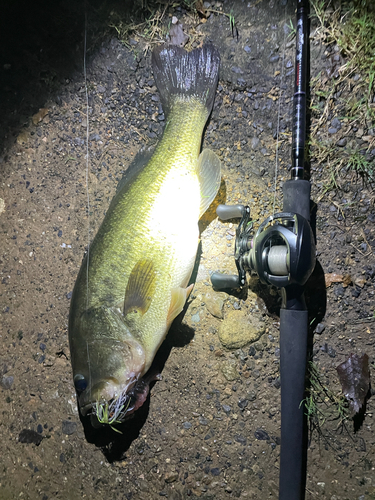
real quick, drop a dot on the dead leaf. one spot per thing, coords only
(202, 11)
(354, 376)
(360, 282)
(38, 117)
(347, 280)
(333, 278)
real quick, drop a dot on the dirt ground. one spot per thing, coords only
(211, 427)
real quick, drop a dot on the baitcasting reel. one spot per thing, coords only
(281, 252)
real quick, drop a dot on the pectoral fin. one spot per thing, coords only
(209, 175)
(140, 288)
(179, 296)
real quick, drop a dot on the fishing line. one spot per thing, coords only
(278, 119)
(87, 159)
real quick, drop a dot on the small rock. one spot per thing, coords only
(195, 318)
(229, 370)
(238, 330)
(7, 382)
(215, 471)
(242, 403)
(170, 477)
(215, 302)
(320, 327)
(342, 142)
(261, 435)
(28, 436)
(247, 49)
(339, 291)
(241, 439)
(69, 427)
(187, 425)
(203, 421)
(332, 130)
(254, 143)
(177, 36)
(336, 123)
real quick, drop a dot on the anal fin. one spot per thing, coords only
(178, 299)
(209, 175)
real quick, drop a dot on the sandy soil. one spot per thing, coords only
(211, 427)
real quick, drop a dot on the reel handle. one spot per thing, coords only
(225, 212)
(223, 281)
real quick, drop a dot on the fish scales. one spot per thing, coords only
(133, 281)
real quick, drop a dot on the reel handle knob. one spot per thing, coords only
(223, 281)
(225, 212)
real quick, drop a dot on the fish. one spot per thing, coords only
(134, 279)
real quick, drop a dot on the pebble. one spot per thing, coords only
(236, 70)
(195, 318)
(187, 425)
(29, 436)
(342, 142)
(170, 477)
(7, 382)
(68, 427)
(261, 435)
(339, 291)
(240, 439)
(336, 123)
(242, 403)
(215, 303)
(254, 141)
(203, 421)
(320, 327)
(247, 49)
(229, 370)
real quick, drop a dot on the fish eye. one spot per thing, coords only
(80, 382)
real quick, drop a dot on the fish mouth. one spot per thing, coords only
(118, 409)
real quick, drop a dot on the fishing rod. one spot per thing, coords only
(282, 253)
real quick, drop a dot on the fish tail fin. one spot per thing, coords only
(180, 74)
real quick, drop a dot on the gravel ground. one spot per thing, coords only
(211, 427)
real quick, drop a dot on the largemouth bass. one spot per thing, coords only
(134, 279)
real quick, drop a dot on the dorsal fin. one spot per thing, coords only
(140, 288)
